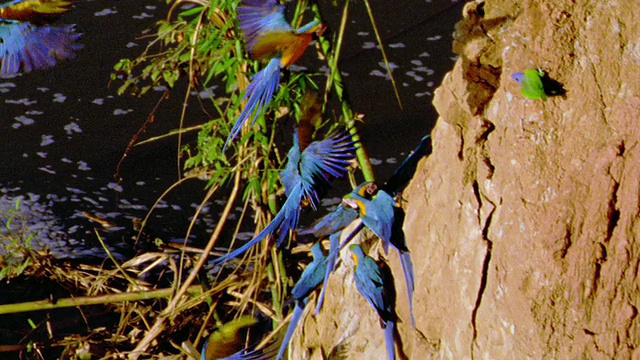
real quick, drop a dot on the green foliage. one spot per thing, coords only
(201, 45)
(15, 243)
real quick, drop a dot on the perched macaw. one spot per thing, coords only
(531, 84)
(27, 42)
(306, 173)
(311, 277)
(225, 342)
(379, 212)
(373, 284)
(344, 215)
(268, 36)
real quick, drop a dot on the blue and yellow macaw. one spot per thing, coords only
(227, 342)
(333, 223)
(307, 172)
(311, 277)
(27, 42)
(374, 285)
(268, 35)
(380, 213)
(344, 215)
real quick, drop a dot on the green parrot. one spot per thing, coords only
(531, 84)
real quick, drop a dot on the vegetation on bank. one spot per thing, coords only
(164, 302)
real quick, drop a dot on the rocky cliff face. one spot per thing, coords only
(524, 222)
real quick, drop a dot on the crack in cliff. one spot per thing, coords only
(485, 264)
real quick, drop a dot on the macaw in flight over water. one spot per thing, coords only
(27, 40)
(268, 35)
(308, 171)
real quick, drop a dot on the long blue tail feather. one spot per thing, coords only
(285, 220)
(295, 318)
(259, 92)
(389, 331)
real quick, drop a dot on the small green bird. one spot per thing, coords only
(227, 342)
(531, 84)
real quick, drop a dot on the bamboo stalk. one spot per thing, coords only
(335, 81)
(91, 300)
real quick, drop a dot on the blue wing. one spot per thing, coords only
(290, 176)
(259, 17)
(376, 213)
(312, 275)
(259, 93)
(331, 223)
(324, 160)
(400, 178)
(27, 47)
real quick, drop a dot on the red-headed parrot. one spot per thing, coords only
(27, 42)
(376, 287)
(307, 173)
(268, 36)
(311, 277)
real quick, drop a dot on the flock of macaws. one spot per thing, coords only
(28, 41)
(310, 167)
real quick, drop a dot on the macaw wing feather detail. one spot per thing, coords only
(27, 47)
(324, 160)
(258, 18)
(259, 93)
(331, 223)
(312, 275)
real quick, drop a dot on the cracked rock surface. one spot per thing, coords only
(524, 222)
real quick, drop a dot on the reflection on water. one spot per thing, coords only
(65, 130)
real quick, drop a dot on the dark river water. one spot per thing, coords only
(64, 130)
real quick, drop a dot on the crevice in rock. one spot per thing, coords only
(485, 264)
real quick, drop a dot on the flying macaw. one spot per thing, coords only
(311, 277)
(373, 284)
(379, 212)
(27, 42)
(268, 35)
(531, 84)
(225, 342)
(307, 172)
